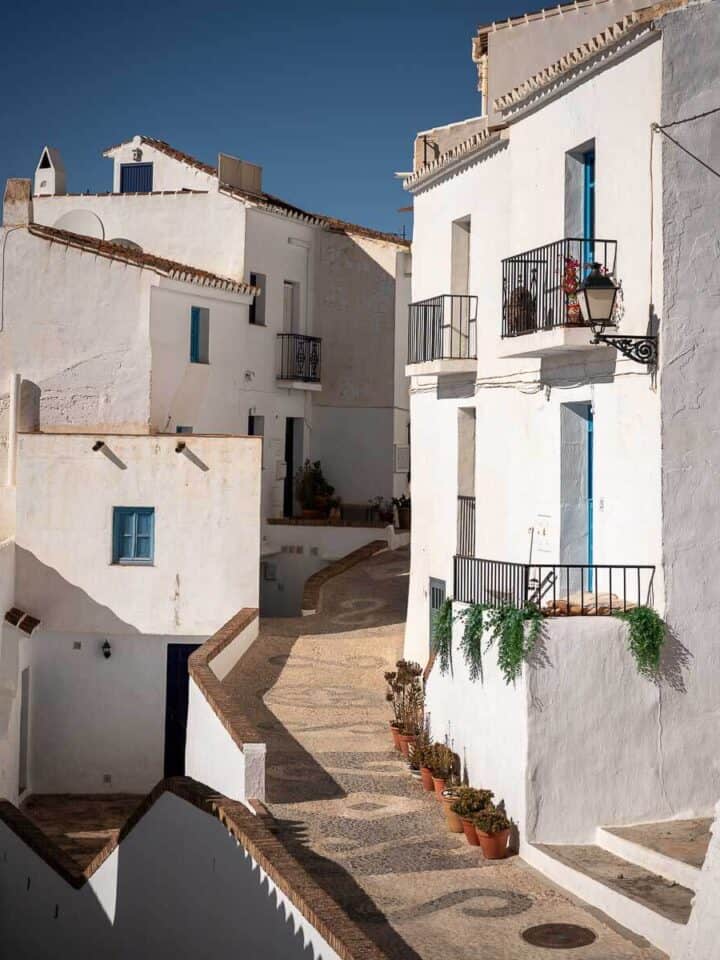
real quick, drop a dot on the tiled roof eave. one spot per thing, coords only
(461, 154)
(170, 269)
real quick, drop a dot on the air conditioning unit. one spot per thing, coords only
(402, 458)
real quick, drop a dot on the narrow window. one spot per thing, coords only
(291, 307)
(136, 178)
(179, 429)
(256, 425)
(133, 535)
(199, 335)
(257, 307)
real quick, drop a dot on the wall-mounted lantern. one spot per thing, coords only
(596, 296)
(106, 649)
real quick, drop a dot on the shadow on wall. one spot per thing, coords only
(59, 604)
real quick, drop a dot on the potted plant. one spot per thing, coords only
(411, 704)
(454, 823)
(392, 696)
(468, 803)
(402, 504)
(492, 827)
(422, 756)
(335, 514)
(312, 490)
(570, 285)
(443, 764)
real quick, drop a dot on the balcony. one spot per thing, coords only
(442, 335)
(466, 526)
(299, 361)
(560, 589)
(541, 316)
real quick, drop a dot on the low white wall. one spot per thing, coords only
(700, 938)
(178, 886)
(92, 717)
(562, 745)
(213, 757)
(15, 648)
(485, 724)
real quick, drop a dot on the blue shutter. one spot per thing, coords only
(136, 178)
(195, 335)
(589, 206)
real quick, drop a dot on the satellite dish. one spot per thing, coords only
(84, 222)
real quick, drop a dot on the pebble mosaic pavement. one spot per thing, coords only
(346, 806)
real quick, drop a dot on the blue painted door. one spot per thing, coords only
(136, 178)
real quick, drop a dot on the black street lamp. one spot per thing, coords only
(596, 296)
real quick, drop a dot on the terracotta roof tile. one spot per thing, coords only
(267, 200)
(137, 258)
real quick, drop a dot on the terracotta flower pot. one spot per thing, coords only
(439, 783)
(453, 820)
(494, 845)
(427, 779)
(405, 740)
(396, 736)
(470, 832)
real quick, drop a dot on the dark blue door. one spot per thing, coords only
(136, 178)
(176, 707)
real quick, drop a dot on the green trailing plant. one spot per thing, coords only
(442, 634)
(515, 630)
(491, 820)
(473, 618)
(647, 636)
(470, 801)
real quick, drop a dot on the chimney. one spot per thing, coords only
(239, 173)
(50, 174)
(17, 203)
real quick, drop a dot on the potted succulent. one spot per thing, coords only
(443, 764)
(468, 803)
(454, 823)
(312, 490)
(392, 696)
(422, 756)
(492, 827)
(402, 504)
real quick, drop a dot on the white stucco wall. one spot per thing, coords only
(207, 532)
(15, 650)
(178, 886)
(700, 937)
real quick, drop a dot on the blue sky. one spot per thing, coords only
(325, 96)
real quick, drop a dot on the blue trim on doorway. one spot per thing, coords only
(588, 160)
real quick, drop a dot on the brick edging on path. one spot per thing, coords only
(313, 586)
(254, 833)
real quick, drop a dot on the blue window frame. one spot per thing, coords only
(133, 535)
(588, 161)
(136, 178)
(199, 334)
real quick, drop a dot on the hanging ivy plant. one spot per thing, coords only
(515, 629)
(473, 618)
(442, 634)
(647, 635)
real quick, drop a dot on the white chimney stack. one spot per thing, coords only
(50, 174)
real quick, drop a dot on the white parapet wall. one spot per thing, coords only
(700, 939)
(180, 884)
(563, 742)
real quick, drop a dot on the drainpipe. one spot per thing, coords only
(15, 380)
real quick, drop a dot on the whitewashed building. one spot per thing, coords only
(548, 468)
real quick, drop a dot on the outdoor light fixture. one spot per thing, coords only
(596, 296)
(180, 446)
(98, 445)
(106, 649)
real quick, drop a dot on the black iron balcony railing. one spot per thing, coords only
(466, 526)
(442, 328)
(300, 357)
(559, 589)
(539, 286)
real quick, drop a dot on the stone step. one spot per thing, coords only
(645, 902)
(674, 849)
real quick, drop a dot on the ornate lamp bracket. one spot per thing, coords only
(639, 349)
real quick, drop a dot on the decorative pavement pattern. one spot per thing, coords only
(347, 808)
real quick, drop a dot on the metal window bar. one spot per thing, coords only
(466, 526)
(443, 328)
(300, 357)
(560, 589)
(534, 295)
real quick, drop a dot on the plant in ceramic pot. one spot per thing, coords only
(492, 827)
(392, 695)
(468, 803)
(312, 490)
(402, 505)
(570, 284)
(443, 764)
(421, 755)
(454, 823)
(412, 704)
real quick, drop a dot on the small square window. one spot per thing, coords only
(179, 429)
(199, 335)
(133, 535)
